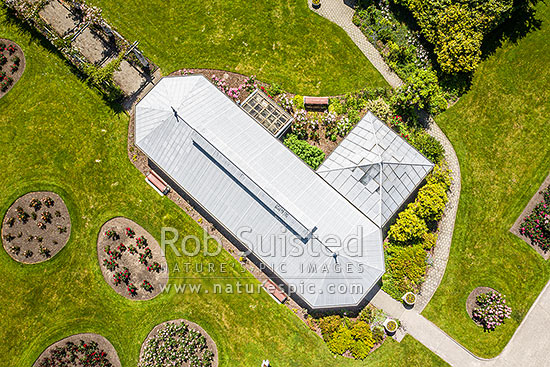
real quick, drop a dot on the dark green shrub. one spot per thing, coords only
(407, 265)
(311, 155)
(427, 145)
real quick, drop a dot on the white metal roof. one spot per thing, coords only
(375, 169)
(260, 191)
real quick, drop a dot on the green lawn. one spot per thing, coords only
(57, 134)
(279, 41)
(501, 133)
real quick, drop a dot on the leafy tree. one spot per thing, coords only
(456, 28)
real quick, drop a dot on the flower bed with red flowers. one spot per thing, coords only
(36, 227)
(89, 350)
(131, 260)
(536, 226)
(12, 64)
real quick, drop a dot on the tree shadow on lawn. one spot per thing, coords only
(521, 21)
(26, 29)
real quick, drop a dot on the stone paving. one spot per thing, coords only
(446, 225)
(341, 13)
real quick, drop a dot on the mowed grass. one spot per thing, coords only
(280, 41)
(501, 133)
(57, 134)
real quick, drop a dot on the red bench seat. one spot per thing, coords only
(274, 290)
(158, 182)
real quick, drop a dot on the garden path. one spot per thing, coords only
(341, 13)
(526, 347)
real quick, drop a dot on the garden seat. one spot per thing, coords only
(275, 291)
(316, 102)
(158, 183)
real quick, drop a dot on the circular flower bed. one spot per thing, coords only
(90, 350)
(12, 65)
(36, 227)
(131, 259)
(178, 343)
(487, 307)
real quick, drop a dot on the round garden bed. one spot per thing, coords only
(471, 301)
(12, 65)
(36, 227)
(178, 340)
(131, 259)
(93, 349)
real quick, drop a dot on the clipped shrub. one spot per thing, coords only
(378, 334)
(367, 314)
(429, 146)
(361, 331)
(360, 349)
(440, 175)
(341, 341)
(335, 106)
(409, 228)
(381, 109)
(430, 239)
(298, 102)
(311, 155)
(408, 265)
(329, 325)
(430, 202)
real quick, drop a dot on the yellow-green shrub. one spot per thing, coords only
(409, 228)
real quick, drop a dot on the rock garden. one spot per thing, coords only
(81, 350)
(131, 260)
(36, 227)
(12, 65)
(178, 343)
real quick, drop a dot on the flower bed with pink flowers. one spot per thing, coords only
(536, 226)
(491, 310)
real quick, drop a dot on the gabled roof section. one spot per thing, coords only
(375, 169)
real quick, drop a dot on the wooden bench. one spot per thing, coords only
(158, 183)
(316, 103)
(274, 290)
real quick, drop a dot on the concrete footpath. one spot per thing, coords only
(527, 347)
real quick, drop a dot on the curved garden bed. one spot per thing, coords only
(12, 65)
(199, 349)
(36, 227)
(131, 260)
(94, 349)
